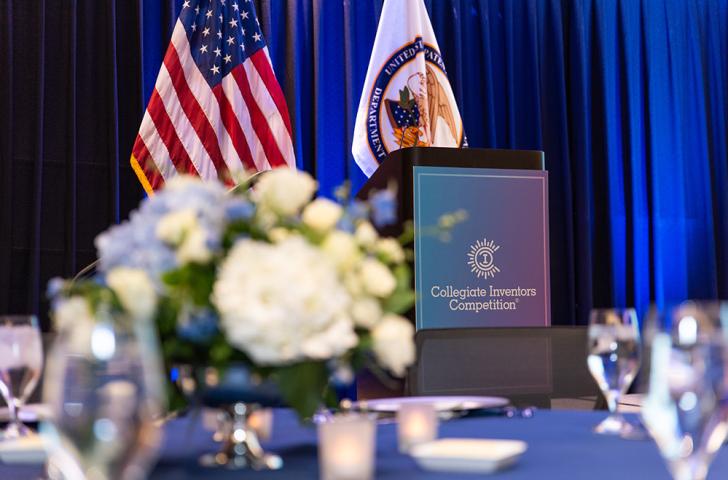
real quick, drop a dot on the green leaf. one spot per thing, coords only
(193, 281)
(303, 386)
(403, 275)
(400, 302)
(403, 296)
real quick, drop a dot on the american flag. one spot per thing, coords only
(217, 108)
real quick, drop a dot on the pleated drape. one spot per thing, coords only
(627, 98)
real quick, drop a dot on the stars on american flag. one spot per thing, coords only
(215, 30)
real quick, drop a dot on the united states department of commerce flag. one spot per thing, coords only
(407, 100)
(217, 108)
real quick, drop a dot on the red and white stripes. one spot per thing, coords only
(240, 124)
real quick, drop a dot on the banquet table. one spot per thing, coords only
(560, 446)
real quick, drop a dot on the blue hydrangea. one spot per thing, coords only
(384, 208)
(134, 243)
(239, 209)
(357, 210)
(198, 327)
(55, 286)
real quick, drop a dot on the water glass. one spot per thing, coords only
(614, 359)
(685, 409)
(21, 360)
(104, 385)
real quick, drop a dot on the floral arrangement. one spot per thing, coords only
(304, 291)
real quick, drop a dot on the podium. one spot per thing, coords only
(483, 296)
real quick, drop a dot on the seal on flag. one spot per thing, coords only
(411, 107)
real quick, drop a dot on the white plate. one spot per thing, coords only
(26, 450)
(442, 403)
(468, 454)
(28, 413)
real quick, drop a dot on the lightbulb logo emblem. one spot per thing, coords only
(481, 258)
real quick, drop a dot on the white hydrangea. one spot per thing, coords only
(135, 291)
(322, 214)
(393, 343)
(376, 278)
(284, 191)
(282, 303)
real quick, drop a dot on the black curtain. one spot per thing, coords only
(70, 106)
(626, 97)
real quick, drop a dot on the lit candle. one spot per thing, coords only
(261, 422)
(346, 447)
(416, 423)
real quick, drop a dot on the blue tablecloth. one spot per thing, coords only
(560, 446)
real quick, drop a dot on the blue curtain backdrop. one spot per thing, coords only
(626, 97)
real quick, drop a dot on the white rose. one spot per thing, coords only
(390, 249)
(278, 234)
(366, 235)
(353, 284)
(70, 312)
(340, 247)
(321, 214)
(194, 247)
(181, 182)
(393, 343)
(135, 291)
(376, 278)
(172, 227)
(366, 312)
(284, 190)
(73, 318)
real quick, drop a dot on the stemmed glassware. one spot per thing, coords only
(614, 359)
(21, 360)
(104, 385)
(686, 408)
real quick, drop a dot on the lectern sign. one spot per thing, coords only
(493, 271)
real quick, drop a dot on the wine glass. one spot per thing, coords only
(104, 387)
(685, 409)
(614, 359)
(21, 360)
